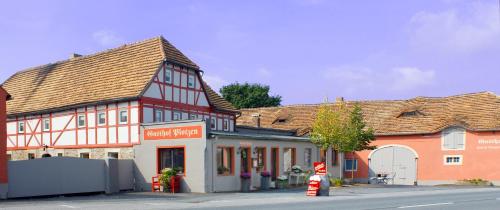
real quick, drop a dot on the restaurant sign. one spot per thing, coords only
(171, 133)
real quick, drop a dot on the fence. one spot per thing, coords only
(66, 175)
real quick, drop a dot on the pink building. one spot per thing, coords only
(424, 140)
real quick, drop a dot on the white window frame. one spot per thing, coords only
(308, 162)
(176, 116)
(46, 124)
(99, 118)
(155, 112)
(225, 125)
(169, 73)
(19, 126)
(84, 121)
(460, 162)
(450, 130)
(190, 76)
(213, 123)
(120, 121)
(355, 164)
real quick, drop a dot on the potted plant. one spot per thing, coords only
(245, 181)
(264, 180)
(282, 182)
(222, 170)
(166, 176)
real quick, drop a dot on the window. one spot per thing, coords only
(453, 139)
(213, 124)
(226, 125)
(158, 115)
(351, 165)
(123, 116)
(168, 76)
(453, 159)
(9, 157)
(308, 157)
(191, 81)
(31, 156)
(81, 120)
(85, 155)
(46, 124)
(21, 127)
(171, 158)
(192, 116)
(177, 116)
(225, 159)
(261, 159)
(334, 157)
(59, 154)
(101, 118)
(289, 158)
(113, 155)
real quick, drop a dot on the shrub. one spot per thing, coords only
(476, 181)
(336, 182)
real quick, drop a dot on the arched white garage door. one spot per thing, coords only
(398, 162)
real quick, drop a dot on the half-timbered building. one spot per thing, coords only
(91, 106)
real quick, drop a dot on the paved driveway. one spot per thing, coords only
(364, 197)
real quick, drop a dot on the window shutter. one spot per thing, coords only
(447, 142)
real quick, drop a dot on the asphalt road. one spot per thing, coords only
(345, 198)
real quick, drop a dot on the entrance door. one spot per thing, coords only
(245, 160)
(275, 163)
(397, 163)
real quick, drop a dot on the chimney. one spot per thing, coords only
(74, 55)
(339, 99)
(256, 119)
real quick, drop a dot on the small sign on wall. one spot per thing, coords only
(184, 132)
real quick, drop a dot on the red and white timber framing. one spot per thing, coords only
(181, 98)
(176, 93)
(62, 129)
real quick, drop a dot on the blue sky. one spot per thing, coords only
(305, 50)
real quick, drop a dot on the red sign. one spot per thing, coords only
(313, 188)
(185, 132)
(320, 168)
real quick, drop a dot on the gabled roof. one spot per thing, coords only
(476, 111)
(117, 74)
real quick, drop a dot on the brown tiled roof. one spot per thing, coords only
(475, 111)
(115, 74)
(217, 101)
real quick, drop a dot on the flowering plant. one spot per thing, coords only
(245, 175)
(265, 174)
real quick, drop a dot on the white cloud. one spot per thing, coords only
(355, 79)
(215, 82)
(107, 38)
(473, 28)
(264, 72)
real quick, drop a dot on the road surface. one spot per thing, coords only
(344, 198)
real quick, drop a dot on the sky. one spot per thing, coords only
(305, 50)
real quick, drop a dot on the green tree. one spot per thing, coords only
(249, 95)
(342, 129)
(358, 136)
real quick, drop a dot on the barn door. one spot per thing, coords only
(396, 162)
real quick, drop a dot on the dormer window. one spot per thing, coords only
(411, 113)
